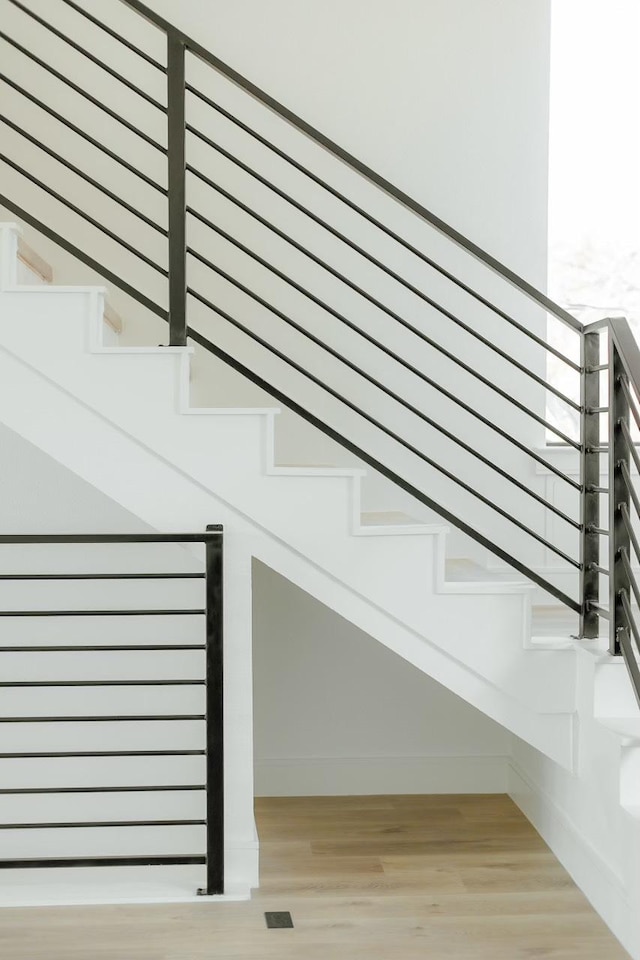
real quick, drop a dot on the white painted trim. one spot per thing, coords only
(598, 879)
(55, 887)
(343, 776)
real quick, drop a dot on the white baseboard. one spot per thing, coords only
(78, 886)
(331, 776)
(598, 879)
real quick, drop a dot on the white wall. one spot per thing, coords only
(337, 713)
(39, 495)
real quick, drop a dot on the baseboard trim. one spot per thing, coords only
(331, 776)
(598, 879)
(83, 886)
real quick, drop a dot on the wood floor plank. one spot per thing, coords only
(365, 878)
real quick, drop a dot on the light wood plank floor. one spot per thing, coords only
(453, 877)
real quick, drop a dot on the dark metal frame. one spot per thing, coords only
(213, 717)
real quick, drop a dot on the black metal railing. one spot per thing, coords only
(624, 503)
(211, 680)
(379, 357)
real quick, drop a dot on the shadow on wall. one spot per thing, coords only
(335, 712)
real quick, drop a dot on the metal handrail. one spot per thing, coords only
(527, 371)
(212, 857)
(374, 221)
(83, 134)
(334, 148)
(385, 471)
(89, 56)
(389, 393)
(376, 262)
(624, 363)
(179, 290)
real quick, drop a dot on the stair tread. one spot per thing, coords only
(461, 570)
(395, 517)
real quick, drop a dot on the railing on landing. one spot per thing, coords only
(371, 382)
(50, 773)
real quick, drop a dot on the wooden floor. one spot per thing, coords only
(446, 877)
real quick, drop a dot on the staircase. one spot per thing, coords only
(145, 446)
(460, 450)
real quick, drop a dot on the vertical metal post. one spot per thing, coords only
(618, 495)
(214, 712)
(590, 480)
(177, 191)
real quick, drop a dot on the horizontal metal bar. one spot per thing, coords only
(626, 476)
(92, 824)
(84, 257)
(626, 519)
(598, 569)
(591, 528)
(106, 719)
(626, 347)
(116, 36)
(209, 534)
(93, 648)
(102, 576)
(395, 478)
(472, 451)
(390, 433)
(385, 185)
(83, 93)
(426, 379)
(84, 215)
(101, 683)
(597, 410)
(68, 754)
(598, 368)
(631, 400)
(406, 284)
(100, 613)
(85, 176)
(624, 556)
(57, 862)
(432, 343)
(89, 56)
(628, 612)
(594, 488)
(601, 611)
(630, 444)
(601, 448)
(29, 791)
(382, 227)
(82, 133)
